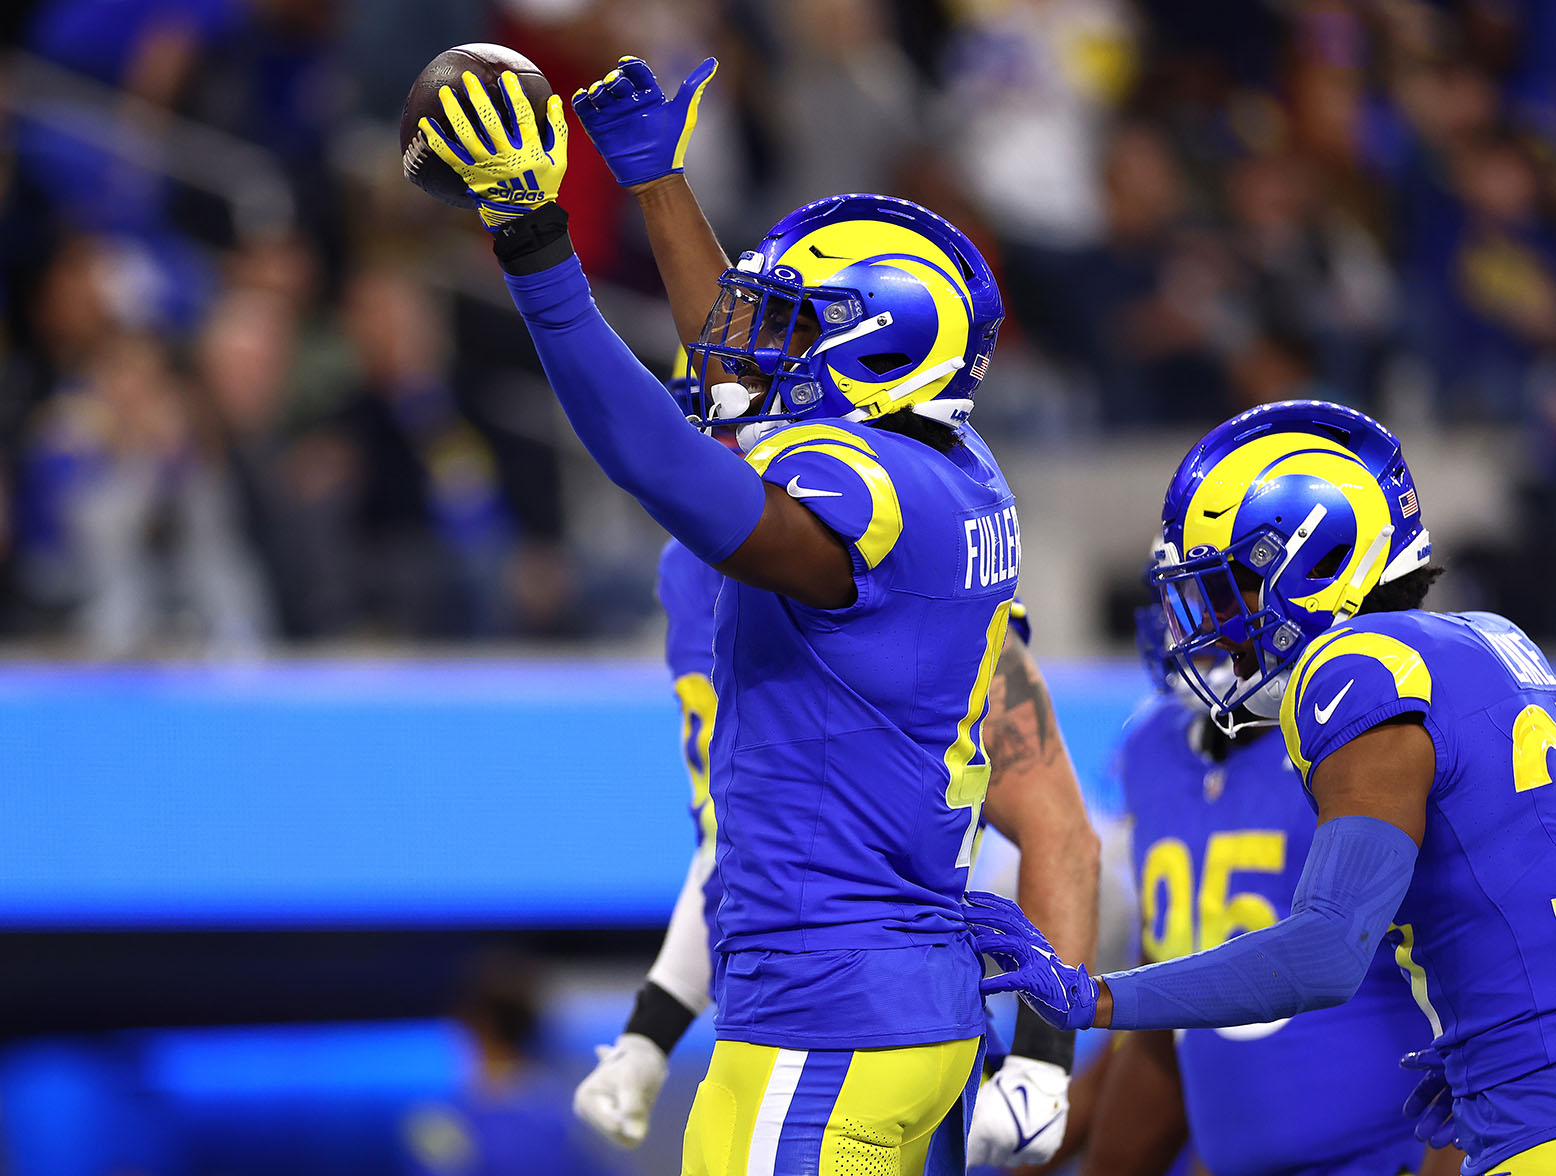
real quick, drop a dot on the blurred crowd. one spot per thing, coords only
(255, 388)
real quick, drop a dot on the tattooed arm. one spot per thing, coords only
(1035, 800)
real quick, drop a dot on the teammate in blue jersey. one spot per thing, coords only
(1031, 772)
(1032, 785)
(618, 1095)
(871, 549)
(1219, 833)
(1295, 543)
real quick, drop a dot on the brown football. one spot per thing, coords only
(487, 62)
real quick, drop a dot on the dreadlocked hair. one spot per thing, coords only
(940, 437)
(1403, 594)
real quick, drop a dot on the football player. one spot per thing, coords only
(1295, 543)
(1019, 1117)
(1219, 834)
(618, 1095)
(1013, 1121)
(871, 550)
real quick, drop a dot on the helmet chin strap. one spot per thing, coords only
(749, 436)
(1265, 702)
(733, 399)
(1231, 724)
(928, 376)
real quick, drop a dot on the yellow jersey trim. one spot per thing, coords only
(885, 526)
(1405, 665)
(699, 703)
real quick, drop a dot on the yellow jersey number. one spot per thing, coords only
(699, 707)
(970, 781)
(1176, 922)
(1534, 734)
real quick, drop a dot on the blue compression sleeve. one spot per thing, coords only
(1354, 879)
(702, 493)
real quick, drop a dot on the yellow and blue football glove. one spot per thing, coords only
(640, 133)
(508, 170)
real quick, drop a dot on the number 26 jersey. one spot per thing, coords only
(1476, 932)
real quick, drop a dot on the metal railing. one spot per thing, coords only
(123, 126)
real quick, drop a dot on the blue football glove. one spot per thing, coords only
(641, 135)
(1063, 996)
(1431, 1103)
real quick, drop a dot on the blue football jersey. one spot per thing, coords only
(1217, 850)
(1477, 929)
(848, 768)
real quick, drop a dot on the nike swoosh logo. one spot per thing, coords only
(1023, 1140)
(1324, 713)
(797, 491)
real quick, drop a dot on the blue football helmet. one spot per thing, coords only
(853, 307)
(1308, 504)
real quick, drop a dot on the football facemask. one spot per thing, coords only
(1275, 528)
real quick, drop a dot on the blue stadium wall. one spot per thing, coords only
(528, 794)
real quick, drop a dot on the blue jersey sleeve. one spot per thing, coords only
(836, 474)
(1348, 681)
(621, 413)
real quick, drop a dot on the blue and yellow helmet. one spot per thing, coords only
(1310, 504)
(852, 306)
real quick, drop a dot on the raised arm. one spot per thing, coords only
(689, 256)
(699, 491)
(643, 137)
